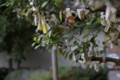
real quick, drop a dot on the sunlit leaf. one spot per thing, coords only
(60, 15)
(44, 4)
(37, 46)
(33, 44)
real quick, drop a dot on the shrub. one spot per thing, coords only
(3, 73)
(73, 74)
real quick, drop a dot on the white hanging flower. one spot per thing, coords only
(73, 48)
(83, 57)
(66, 41)
(103, 21)
(74, 57)
(50, 32)
(95, 4)
(102, 65)
(80, 13)
(34, 8)
(87, 12)
(96, 66)
(111, 64)
(110, 15)
(68, 12)
(77, 3)
(91, 65)
(110, 12)
(31, 2)
(35, 19)
(54, 19)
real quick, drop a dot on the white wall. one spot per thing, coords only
(35, 59)
(3, 61)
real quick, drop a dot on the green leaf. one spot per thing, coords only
(33, 44)
(88, 24)
(35, 38)
(118, 23)
(70, 56)
(106, 0)
(70, 39)
(86, 36)
(84, 1)
(49, 48)
(60, 15)
(56, 39)
(44, 4)
(66, 55)
(86, 31)
(81, 50)
(22, 13)
(99, 20)
(58, 3)
(60, 51)
(37, 46)
(93, 41)
(5, 4)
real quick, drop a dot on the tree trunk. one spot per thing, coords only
(10, 65)
(18, 64)
(54, 63)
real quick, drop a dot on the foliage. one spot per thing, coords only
(15, 33)
(65, 73)
(3, 73)
(73, 74)
(74, 31)
(21, 74)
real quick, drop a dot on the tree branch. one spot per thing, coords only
(107, 59)
(103, 10)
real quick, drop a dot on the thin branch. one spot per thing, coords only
(103, 10)
(100, 10)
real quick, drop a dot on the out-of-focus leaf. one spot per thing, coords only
(88, 24)
(33, 44)
(81, 50)
(60, 51)
(70, 56)
(84, 1)
(58, 3)
(99, 20)
(37, 46)
(56, 39)
(118, 23)
(44, 4)
(86, 36)
(49, 48)
(60, 15)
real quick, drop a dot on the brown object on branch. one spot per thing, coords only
(107, 59)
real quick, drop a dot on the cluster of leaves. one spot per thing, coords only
(89, 30)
